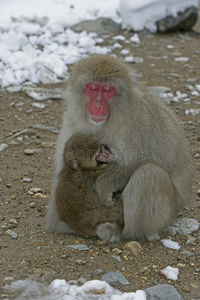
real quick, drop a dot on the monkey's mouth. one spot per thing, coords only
(98, 119)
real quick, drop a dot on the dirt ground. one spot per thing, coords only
(36, 252)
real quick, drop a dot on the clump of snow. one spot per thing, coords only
(192, 111)
(170, 97)
(143, 14)
(119, 38)
(60, 289)
(39, 105)
(170, 273)
(135, 38)
(59, 12)
(40, 55)
(170, 46)
(170, 244)
(181, 59)
(36, 42)
(195, 93)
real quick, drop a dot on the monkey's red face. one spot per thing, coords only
(99, 97)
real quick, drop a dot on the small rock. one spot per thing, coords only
(80, 262)
(43, 127)
(26, 179)
(39, 272)
(47, 144)
(20, 138)
(8, 279)
(190, 240)
(187, 253)
(29, 151)
(3, 147)
(12, 234)
(97, 273)
(35, 190)
(101, 25)
(198, 192)
(80, 247)
(116, 257)
(133, 247)
(163, 292)
(81, 280)
(32, 205)
(115, 278)
(186, 289)
(40, 195)
(24, 132)
(117, 251)
(13, 221)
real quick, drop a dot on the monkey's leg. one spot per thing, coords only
(150, 200)
(53, 221)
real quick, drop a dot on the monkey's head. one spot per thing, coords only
(98, 83)
(84, 152)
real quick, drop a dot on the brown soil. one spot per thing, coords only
(36, 252)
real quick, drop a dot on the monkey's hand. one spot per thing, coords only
(109, 200)
(109, 184)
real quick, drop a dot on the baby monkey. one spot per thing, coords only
(78, 204)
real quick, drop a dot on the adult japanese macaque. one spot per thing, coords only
(77, 201)
(154, 164)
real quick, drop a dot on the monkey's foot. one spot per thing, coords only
(153, 237)
(111, 232)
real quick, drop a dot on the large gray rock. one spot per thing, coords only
(183, 226)
(101, 25)
(162, 292)
(115, 278)
(183, 21)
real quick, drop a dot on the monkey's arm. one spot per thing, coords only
(112, 180)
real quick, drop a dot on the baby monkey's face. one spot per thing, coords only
(98, 159)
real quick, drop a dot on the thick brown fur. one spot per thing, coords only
(154, 161)
(76, 198)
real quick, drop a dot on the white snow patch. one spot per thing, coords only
(135, 38)
(170, 273)
(170, 46)
(170, 244)
(181, 59)
(39, 105)
(195, 93)
(192, 111)
(119, 37)
(60, 289)
(125, 51)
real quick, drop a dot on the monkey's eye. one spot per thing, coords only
(107, 88)
(93, 87)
